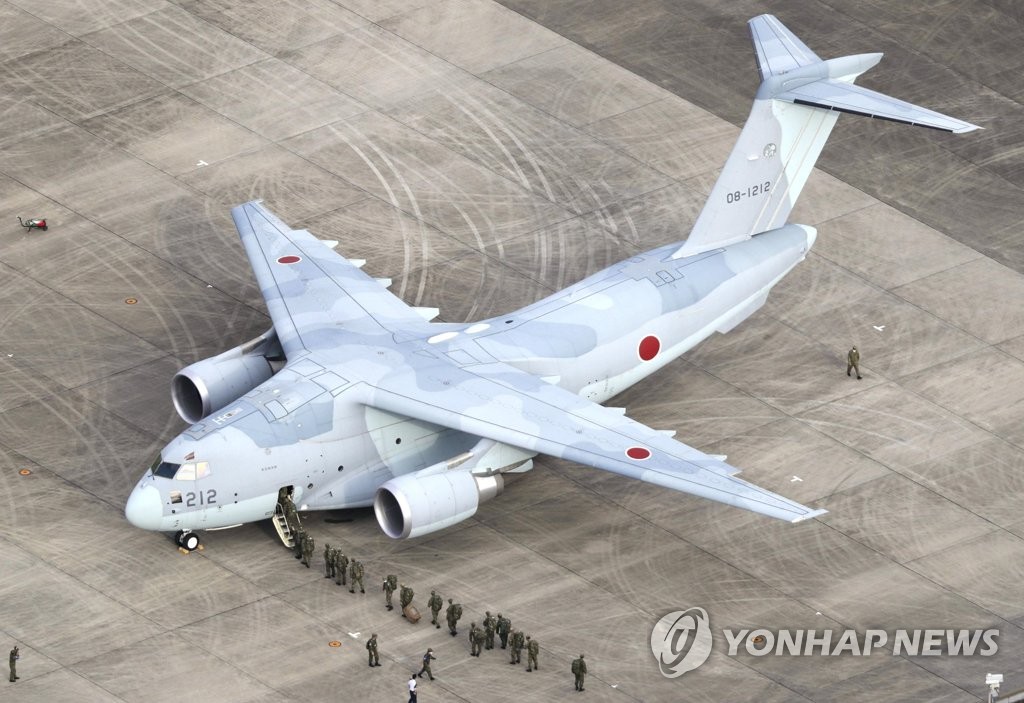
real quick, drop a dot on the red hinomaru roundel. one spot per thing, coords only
(290, 259)
(649, 347)
(638, 453)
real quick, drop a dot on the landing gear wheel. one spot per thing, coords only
(187, 540)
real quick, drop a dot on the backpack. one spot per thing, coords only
(575, 666)
(458, 611)
(392, 581)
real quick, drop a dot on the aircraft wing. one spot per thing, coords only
(309, 288)
(499, 402)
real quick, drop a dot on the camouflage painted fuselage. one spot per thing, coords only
(309, 426)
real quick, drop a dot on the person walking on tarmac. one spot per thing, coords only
(390, 584)
(435, 603)
(853, 362)
(427, 658)
(579, 671)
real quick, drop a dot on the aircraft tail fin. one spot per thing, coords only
(794, 111)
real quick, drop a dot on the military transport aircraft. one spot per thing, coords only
(354, 398)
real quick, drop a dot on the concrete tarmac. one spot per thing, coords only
(483, 155)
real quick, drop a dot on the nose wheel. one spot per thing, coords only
(187, 539)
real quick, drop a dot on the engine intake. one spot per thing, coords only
(200, 388)
(411, 506)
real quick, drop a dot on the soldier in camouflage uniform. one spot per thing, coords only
(435, 603)
(579, 671)
(517, 647)
(453, 614)
(291, 515)
(389, 586)
(405, 595)
(532, 650)
(371, 650)
(340, 566)
(299, 537)
(478, 640)
(504, 626)
(328, 561)
(12, 662)
(308, 547)
(473, 650)
(355, 575)
(489, 624)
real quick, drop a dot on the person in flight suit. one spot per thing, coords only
(853, 362)
(427, 658)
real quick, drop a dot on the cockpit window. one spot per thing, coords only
(165, 469)
(192, 471)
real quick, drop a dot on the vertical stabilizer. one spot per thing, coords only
(794, 111)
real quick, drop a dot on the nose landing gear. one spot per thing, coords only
(187, 540)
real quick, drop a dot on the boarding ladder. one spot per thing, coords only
(284, 531)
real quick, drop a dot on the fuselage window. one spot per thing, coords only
(175, 496)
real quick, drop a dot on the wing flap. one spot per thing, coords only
(498, 402)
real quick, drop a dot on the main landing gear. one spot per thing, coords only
(187, 540)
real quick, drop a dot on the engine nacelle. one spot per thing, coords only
(200, 388)
(410, 506)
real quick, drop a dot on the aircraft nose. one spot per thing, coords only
(144, 508)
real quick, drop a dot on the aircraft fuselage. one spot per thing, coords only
(306, 427)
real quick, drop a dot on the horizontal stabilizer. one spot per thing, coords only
(855, 100)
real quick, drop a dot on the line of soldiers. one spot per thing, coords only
(337, 565)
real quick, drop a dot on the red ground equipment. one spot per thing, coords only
(34, 223)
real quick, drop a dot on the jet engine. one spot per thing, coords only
(411, 505)
(200, 388)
